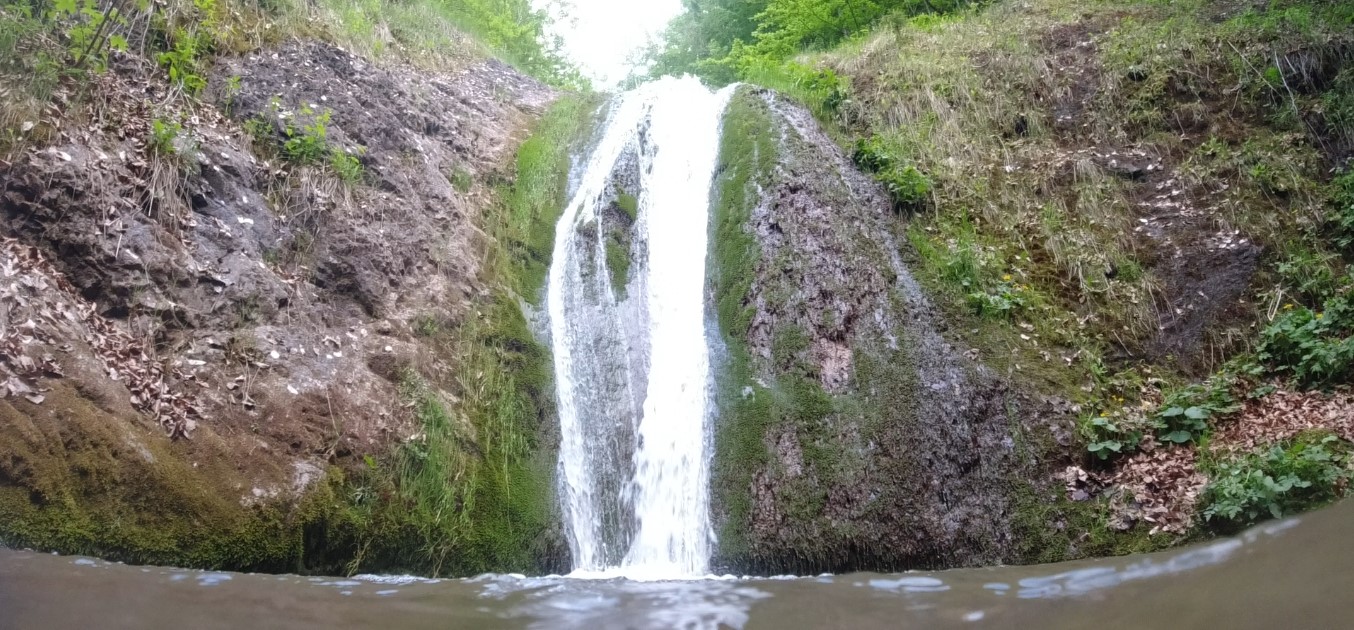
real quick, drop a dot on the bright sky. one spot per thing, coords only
(601, 36)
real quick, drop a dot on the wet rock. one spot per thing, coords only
(896, 449)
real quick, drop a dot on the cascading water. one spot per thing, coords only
(632, 363)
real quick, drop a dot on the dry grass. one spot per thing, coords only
(955, 97)
(1019, 113)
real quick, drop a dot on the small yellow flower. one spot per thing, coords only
(1006, 278)
(1318, 315)
(1287, 307)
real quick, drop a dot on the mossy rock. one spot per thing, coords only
(75, 478)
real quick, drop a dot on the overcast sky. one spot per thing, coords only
(602, 35)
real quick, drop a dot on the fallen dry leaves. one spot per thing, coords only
(1161, 484)
(39, 311)
(1283, 415)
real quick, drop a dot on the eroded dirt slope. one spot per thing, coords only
(174, 276)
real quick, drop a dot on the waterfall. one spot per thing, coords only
(626, 301)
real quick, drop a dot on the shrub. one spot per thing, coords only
(1338, 104)
(1311, 274)
(1110, 437)
(1183, 417)
(1000, 302)
(1342, 210)
(310, 143)
(820, 89)
(232, 90)
(345, 165)
(872, 154)
(260, 130)
(1310, 471)
(1185, 414)
(164, 136)
(908, 187)
(184, 59)
(1315, 348)
(461, 180)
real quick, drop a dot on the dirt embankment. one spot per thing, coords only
(196, 321)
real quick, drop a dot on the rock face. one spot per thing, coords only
(851, 434)
(173, 266)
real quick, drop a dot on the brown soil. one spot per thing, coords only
(1203, 268)
(257, 309)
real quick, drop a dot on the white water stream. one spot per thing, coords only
(633, 372)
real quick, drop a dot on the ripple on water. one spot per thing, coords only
(566, 602)
(910, 584)
(212, 579)
(398, 580)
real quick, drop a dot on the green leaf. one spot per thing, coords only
(1196, 413)
(1179, 437)
(1172, 412)
(118, 43)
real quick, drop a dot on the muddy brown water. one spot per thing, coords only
(1297, 573)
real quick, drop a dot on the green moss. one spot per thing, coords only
(618, 262)
(1051, 528)
(787, 345)
(747, 409)
(537, 196)
(76, 484)
(777, 402)
(747, 159)
(461, 180)
(629, 205)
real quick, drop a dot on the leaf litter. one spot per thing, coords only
(40, 312)
(1161, 483)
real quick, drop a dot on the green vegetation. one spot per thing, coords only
(164, 137)
(461, 180)
(183, 62)
(618, 264)
(629, 206)
(140, 502)
(729, 40)
(471, 491)
(536, 198)
(44, 45)
(309, 143)
(747, 158)
(1305, 473)
(1084, 531)
(1314, 348)
(1343, 204)
(908, 187)
(345, 166)
(1024, 145)
(433, 32)
(304, 141)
